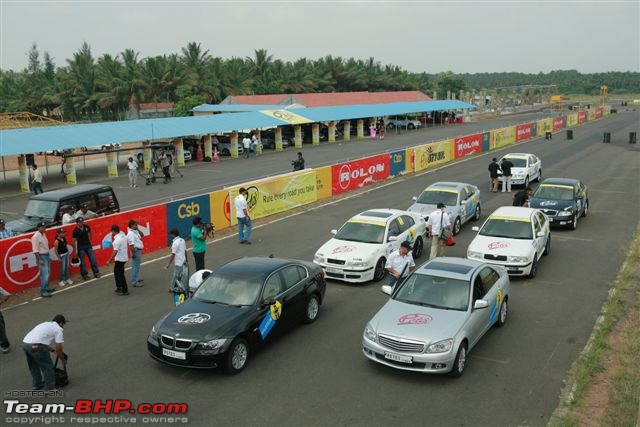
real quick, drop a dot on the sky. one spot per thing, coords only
(419, 36)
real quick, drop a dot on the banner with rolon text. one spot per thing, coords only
(359, 173)
(19, 265)
(558, 123)
(598, 112)
(523, 131)
(503, 137)
(434, 154)
(467, 145)
(582, 117)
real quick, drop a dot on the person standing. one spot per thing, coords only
(521, 198)
(438, 221)
(199, 239)
(132, 165)
(62, 251)
(372, 130)
(36, 184)
(242, 214)
(121, 257)
(134, 240)
(82, 241)
(298, 164)
(400, 263)
(37, 345)
(506, 166)
(180, 280)
(5, 231)
(165, 164)
(5, 345)
(254, 144)
(246, 146)
(381, 128)
(40, 247)
(494, 167)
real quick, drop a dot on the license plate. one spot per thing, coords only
(175, 354)
(398, 357)
(333, 270)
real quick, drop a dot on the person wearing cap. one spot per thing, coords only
(134, 240)
(437, 221)
(45, 338)
(494, 168)
(85, 213)
(69, 215)
(180, 280)
(5, 231)
(62, 251)
(40, 248)
(121, 255)
(82, 241)
(400, 263)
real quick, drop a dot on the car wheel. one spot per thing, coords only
(417, 248)
(225, 152)
(456, 226)
(526, 182)
(586, 208)
(312, 310)
(460, 362)
(547, 247)
(379, 271)
(391, 126)
(534, 267)
(478, 212)
(502, 316)
(411, 126)
(574, 223)
(237, 356)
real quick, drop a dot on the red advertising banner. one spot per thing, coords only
(582, 117)
(558, 123)
(523, 132)
(19, 266)
(359, 173)
(598, 112)
(467, 145)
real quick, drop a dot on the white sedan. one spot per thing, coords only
(526, 168)
(514, 238)
(360, 248)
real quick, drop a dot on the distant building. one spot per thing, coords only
(150, 110)
(329, 98)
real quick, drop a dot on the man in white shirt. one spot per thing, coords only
(40, 248)
(400, 263)
(134, 240)
(36, 183)
(196, 280)
(121, 257)
(132, 165)
(69, 215)
(438, 220)
(246, 146)
(37, 345)
(85, 213)
(180, 279)
(254, 144)
(242, 214)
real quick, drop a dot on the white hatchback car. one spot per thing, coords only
(514, 238)
(360, 248)
(526, 168)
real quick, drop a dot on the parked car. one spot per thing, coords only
(526, 168)
(462, 202)
(224, 145)
(238, 308)
(513, 237)
(437, 315)
(563, 201)
(360, 248)
(404, 122)
(268, 139)
(49, 206)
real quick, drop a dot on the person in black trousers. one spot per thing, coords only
(121, 255)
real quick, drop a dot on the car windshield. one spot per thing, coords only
(434, 291)
(41, 209)
(231, 288)
(554, 192)
(433, 197)
(517, 163)
(364, 232)
(506, 227)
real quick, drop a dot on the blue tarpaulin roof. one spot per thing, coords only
(33, 140)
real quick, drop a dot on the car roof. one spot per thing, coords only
(449, 185)
(378, 214)
(517, 155)
(513, 212)
(561, 181)
(256, 265)
(456, 268)
(76, 190)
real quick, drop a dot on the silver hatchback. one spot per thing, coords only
(437, 315)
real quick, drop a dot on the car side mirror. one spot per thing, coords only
(393, 238)
(540, 234)
(414, 198)
(268, 302)
(386, 289)
(334, 232)
(479, 304)
(475, 228)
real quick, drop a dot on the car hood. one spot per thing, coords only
(425, 209)
(201, 321)
(501, 246)
(24, 224)
(416, 322)
(540, 203)
(347, 250)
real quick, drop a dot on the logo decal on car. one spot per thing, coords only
(498, 245)
(415, 319)
(194, 319)
(343, 249)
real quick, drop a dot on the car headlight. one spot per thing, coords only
(568, 211)
(517, 259)
(359, 263)
(370, 334)
(440, 346)
(318, 257)
(154, 331)
(212, 345)
(474, 255)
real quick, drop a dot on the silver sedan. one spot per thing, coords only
(437, 315)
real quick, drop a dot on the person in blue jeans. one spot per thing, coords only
(82, 236)
(40, 248)
(60, 246)
(45, 338)
(134, 240)
(242, 214)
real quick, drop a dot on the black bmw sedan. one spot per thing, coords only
(238, 308)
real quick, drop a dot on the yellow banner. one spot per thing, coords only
(591, 114)
(273, 195)
(607, 110)
(323, 182)
(545, 125)
(409, 160)
(112, 165)
(572, 119)
(219, 208)
(286, 116)
(432, 155)
(503, 137)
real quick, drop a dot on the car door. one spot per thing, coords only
(479, 317)
(486, 282)
(273, 289)
(393, 230)
(539, 243)
(294, 298)
(580, 191)
(467, 206)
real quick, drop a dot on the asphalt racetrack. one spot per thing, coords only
(316, 374)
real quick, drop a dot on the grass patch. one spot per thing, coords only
(622, 304)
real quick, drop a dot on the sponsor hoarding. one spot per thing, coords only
(409, 159)
(219, 209)
(486, 141)
(558, 123)
(503, 137)
(355, 174)
(432, 155)
(582, 117)
(591, 114)
(323, 182)
(572, 119)
(180, 214)
(598, 112)
(467, 145)
(523, 131)
(397, 163)
(545, 125)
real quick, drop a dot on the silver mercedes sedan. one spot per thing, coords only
(437, 314)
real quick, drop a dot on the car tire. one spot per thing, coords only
(417, 248)
(586, 209)
(411, 126)
(477, 213)
(391, 126)
(225, 152)
(526, 181)
(547, 247)
(379, 271)
(237, 356)
(457, 225)
(461, 361)
(312, 309)
(534, 267)
(503, 313)
(574, 223)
